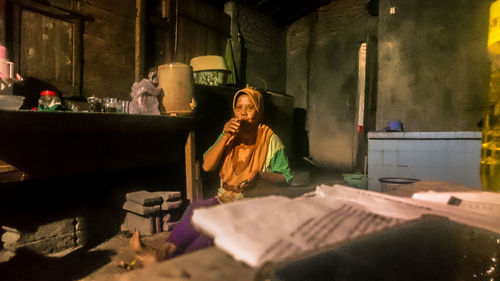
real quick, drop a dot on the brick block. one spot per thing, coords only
(166, 218)
(158, 224)
(52, 229)
(82, 237)
(144, 198)
(169, 226)
(177, 213)
(134, 222)
(140, 209)
(47, 245)
(10, 237)
(168, 205)
(168, 195)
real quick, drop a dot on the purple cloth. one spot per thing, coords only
(185, 237)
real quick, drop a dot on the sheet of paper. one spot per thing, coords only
(274, 228)
(487, 203)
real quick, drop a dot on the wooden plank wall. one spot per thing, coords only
(109, 48)
(80, 48)
(2, 22)
(48, 55)
(105, 60)
(201, 30)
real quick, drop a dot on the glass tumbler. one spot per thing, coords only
(95, 104)
(122, 106)
(109, 105)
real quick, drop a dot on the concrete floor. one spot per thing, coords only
(99, 263)
(119, 244)
(103, 261)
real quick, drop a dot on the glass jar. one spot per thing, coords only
(48, 101)
(109, 104)
(95, 104)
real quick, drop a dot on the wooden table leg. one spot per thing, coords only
(193, 182)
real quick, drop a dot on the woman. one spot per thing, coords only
(246, 151)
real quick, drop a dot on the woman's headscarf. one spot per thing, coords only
(240, 160)
(256, 98)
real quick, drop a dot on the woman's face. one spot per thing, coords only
(245, 110)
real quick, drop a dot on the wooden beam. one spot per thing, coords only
(78, 26)
(172, 13)
(140, 39)
(205, 15)
(304, 10)
(2, 23)
(193, 186)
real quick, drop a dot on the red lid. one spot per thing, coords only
(48, 93)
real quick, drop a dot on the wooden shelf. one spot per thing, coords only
(52, 121)
(61, 144)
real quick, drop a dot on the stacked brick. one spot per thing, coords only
(151, 212)
(49, 238)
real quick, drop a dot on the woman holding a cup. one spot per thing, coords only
(246, 152)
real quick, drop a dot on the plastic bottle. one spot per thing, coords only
(48, 101)
(490, 149)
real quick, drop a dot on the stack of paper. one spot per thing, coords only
(275, 228)
(486, 203)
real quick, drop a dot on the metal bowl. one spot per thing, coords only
(211, 77)
(208, 63)
(11, 102)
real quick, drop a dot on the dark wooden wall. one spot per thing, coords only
(177, 31)
(79, 49)
(85, 48)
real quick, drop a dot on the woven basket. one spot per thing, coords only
(390, 184)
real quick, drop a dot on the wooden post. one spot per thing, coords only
(170, 11)
(193, 188)
(2, 23)
(78, 31)
(140, 39)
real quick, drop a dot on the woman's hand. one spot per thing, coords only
(213, 156)
(231, 127)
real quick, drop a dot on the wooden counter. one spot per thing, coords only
(54, 144)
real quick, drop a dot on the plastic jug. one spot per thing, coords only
(490, 148)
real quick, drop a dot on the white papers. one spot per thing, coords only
(274, 228)
(487, 203)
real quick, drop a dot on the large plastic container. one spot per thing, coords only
(176, 81)
(490, 148)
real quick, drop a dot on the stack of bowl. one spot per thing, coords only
(11, 102)
(209, 70)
